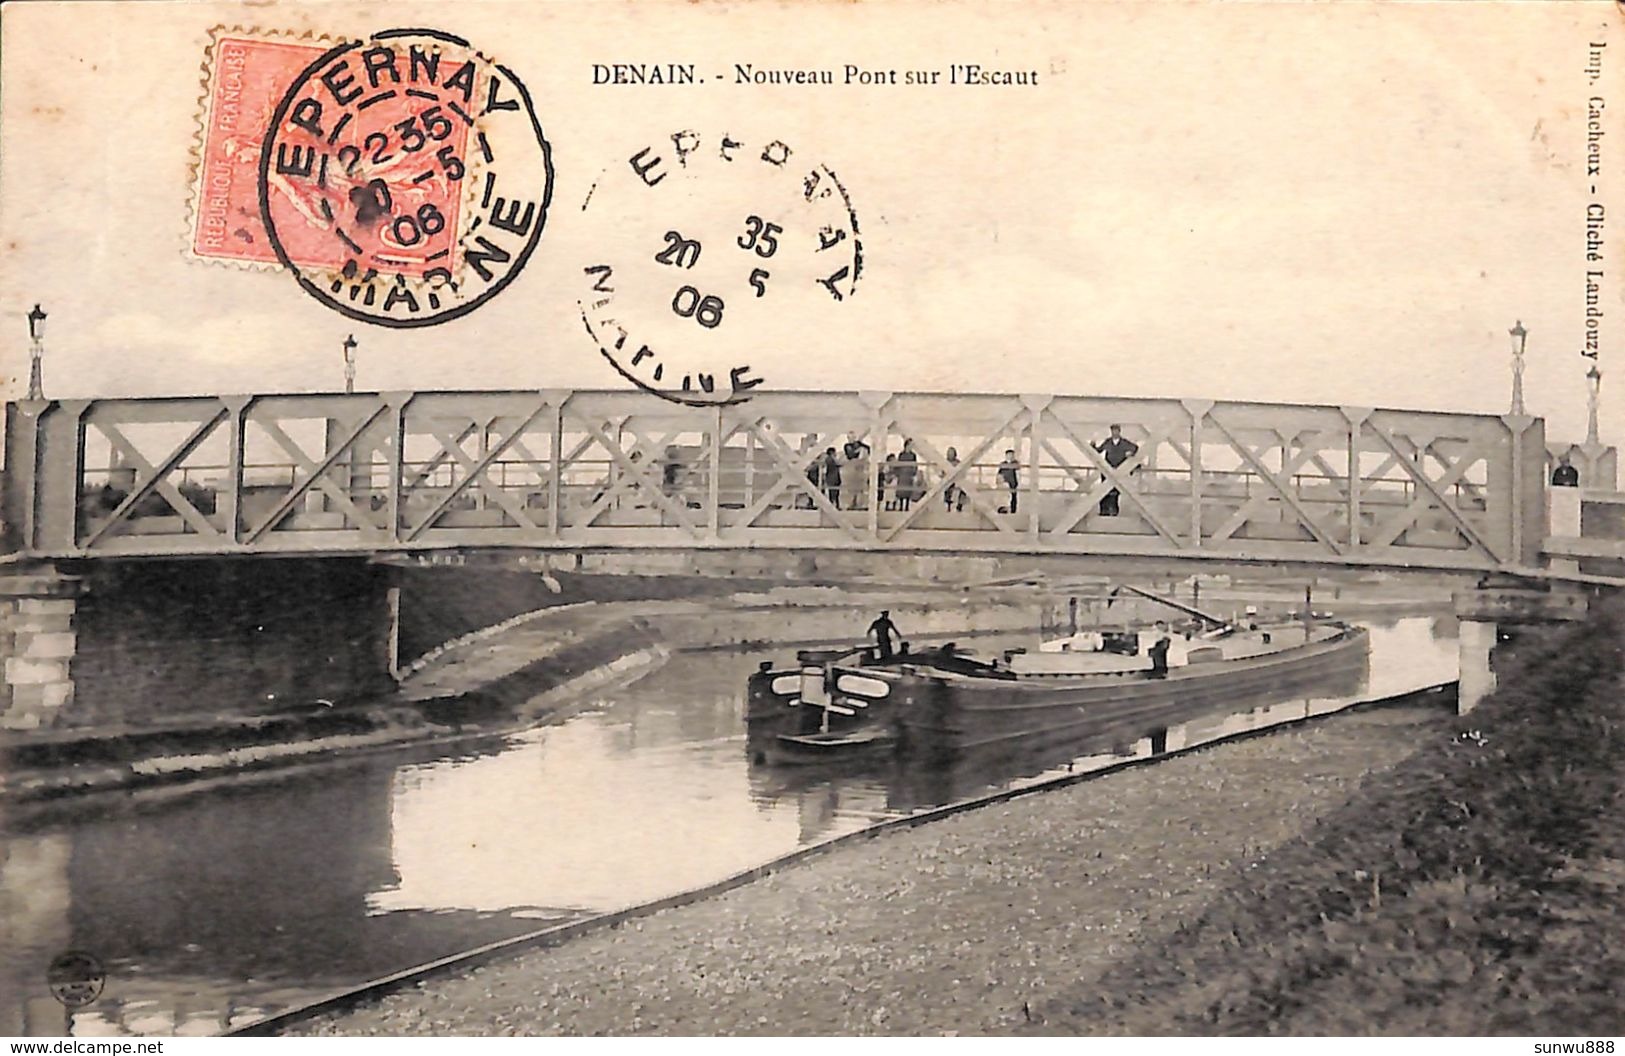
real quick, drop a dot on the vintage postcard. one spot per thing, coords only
(803, 519)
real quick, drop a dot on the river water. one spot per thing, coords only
(214, 907)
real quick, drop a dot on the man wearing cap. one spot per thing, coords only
(884, 631)
(1117, 451)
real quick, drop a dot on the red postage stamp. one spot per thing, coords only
(246, 77)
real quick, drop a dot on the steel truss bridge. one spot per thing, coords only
(374, 473)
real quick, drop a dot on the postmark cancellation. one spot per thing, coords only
(403, 179)
(716, 252)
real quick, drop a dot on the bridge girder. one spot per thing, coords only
(622, 470)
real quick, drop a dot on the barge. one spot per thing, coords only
(945, 703)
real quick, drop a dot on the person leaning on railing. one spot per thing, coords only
(907, 476)
(953, 496)
(854, 472)
(815, 470)
(671, 471)
(885, 487)
(830, 467)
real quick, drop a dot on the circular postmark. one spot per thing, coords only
(404, 179)
(714, 254)
(76, 978)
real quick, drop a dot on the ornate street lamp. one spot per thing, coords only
(1520, 338)
(1594, 383)
(349, 363)
(36, 338)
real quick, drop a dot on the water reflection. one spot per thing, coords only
(252, 897)
(216, 908)
(572, 817)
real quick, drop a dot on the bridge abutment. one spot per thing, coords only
(1484, 613)
(38, 640)
(114, 644)
(1564, 508)
(1476, 645)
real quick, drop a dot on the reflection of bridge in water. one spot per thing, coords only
(563, 470)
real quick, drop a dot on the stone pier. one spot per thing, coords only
(38, 640)
(1484, 612)
(1563, 518)
(1477, 649)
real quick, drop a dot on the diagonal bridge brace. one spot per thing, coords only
(787, 475)
(625, 485)
(1289, 468)
(792, 468)
(156, 478)
(1419, 452)
(974, 494)
(640, 472)
(977, 495)
(1115, 477)
(441, 459)
(316, 475)
(1390, 528)
(1426, 483)
(1282, 488)
(478, 470)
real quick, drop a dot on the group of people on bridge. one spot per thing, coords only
(840, 475)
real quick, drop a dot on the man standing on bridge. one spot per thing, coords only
(884, 631)
(1010, 477)
(1117, 451)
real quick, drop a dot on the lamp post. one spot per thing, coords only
(36, 338)
(349, 363)
(1594, 390)
(1520, 338)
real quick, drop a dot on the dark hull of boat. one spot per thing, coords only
(953, 716)
(927, 780)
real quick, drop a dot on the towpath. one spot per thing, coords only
(961, 926)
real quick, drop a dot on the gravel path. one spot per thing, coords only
(956, 927)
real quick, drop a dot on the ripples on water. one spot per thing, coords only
(216, 908)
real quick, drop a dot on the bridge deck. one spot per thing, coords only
(368, 473)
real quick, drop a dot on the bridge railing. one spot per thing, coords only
(359, 473)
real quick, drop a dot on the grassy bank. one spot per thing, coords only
(1476, 889)
(440, 604)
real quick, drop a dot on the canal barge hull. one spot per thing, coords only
(943, 714)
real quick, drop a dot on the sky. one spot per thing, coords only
(1337, 203)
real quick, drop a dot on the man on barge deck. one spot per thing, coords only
(1159, 651)
(884, 631)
